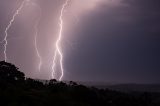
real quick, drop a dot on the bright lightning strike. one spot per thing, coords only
(36, 33)
(58, 50)
(8, 27)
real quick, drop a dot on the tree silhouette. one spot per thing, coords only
(52, 81)
(16, 90)
(10, 72)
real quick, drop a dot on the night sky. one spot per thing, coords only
(103, 40)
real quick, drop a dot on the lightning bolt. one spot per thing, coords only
(53, 66)
(8, 27)
(35, 40)
(36, 33)
(58, 50)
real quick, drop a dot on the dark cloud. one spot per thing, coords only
(112, 43)
(119, 44)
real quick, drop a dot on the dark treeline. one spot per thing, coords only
(16, 90)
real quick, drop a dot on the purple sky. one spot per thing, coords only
(103, 40)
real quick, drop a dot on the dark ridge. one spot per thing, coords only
(17, 90)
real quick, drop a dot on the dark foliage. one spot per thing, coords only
(15, 90)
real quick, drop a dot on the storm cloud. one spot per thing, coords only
(114, 41)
